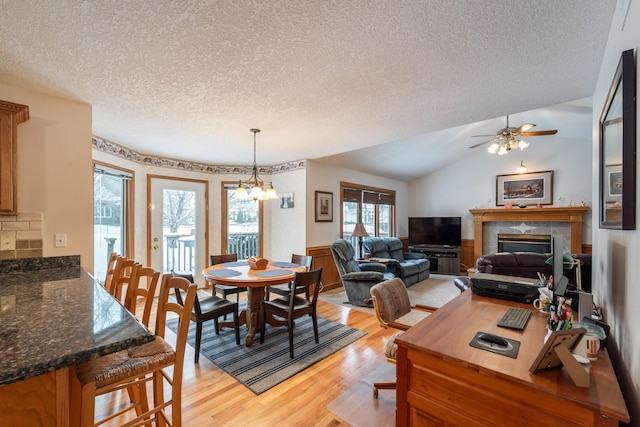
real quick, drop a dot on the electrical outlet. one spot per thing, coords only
(60, 240)
(7, 240)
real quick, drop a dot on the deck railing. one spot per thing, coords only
(180, 253)
(245, 245)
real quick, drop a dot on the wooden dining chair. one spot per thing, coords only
(142, 285)
(137, 366)
(209, 308)
(226, 290)
(393, 310)
(112, 270)
(111, 264)
(295, 304)
(121, 278)
(305, 260)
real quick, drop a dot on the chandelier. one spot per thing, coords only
(255, 188)
(505, 142)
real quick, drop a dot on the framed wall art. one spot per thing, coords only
(525, 189)
(613, 183)
(617, 160)
(286, 201)
(324, 206)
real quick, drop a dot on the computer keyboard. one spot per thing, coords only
(515, 318)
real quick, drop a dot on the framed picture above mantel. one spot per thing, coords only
(525, 189)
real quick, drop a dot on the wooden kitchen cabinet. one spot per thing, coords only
(11, 115)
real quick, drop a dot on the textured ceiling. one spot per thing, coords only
(187, 80)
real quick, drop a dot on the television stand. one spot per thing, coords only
(442, 259)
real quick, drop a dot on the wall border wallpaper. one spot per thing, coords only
(109, 147)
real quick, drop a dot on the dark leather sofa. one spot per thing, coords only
(528, 264)
(411, 267)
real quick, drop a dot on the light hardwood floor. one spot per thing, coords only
(212, 397)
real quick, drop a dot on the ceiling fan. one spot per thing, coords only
(509, 137)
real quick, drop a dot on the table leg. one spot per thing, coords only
(255, 296)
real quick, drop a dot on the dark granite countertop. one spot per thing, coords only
(54, 314)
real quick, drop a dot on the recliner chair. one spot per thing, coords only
(357, 279)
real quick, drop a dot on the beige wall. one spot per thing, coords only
(615, 253)
(287, 230)
(288, 225)
(323, 177)
(54, 170)
(471, 181)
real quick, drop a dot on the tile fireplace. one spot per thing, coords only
(540, 243)
(488, 223)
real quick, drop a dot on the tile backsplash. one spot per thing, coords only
(21, 236)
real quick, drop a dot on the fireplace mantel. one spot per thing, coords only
(572, 215)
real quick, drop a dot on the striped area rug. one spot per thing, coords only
(263, 366)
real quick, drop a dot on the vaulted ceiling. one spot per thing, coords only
(346, 82)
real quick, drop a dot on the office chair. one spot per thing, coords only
(393, 310)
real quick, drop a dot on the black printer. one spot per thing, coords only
(520, 289)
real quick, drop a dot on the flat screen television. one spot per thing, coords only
(435, 231)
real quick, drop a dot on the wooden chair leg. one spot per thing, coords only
(290, 330)
(88, 405)
(158, 396)
(383, 386)
(143, 399)
(196, 357)
(314, 318)
(263, 320)
(236, 325)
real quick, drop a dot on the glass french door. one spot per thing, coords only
(178, 225)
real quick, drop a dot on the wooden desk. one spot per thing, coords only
(239, 274)
(445, 382)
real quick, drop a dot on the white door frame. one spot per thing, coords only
(155, 185)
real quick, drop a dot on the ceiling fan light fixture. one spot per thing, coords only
(508, 138)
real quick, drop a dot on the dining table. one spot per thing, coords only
(239, 273)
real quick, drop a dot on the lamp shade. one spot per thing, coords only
(359, 231)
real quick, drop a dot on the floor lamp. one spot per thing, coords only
(360, 232)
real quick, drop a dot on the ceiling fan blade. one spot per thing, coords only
(525, 127)
(474, 136)
(481, 143)
(539, 133)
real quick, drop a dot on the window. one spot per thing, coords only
(374, 207)
(241, 224)
(112, 208)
